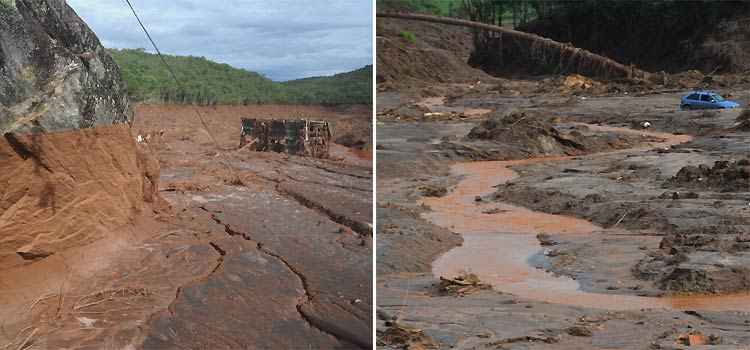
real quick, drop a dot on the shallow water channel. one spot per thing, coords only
(498, 247)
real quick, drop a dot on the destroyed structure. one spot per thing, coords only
(293, 136)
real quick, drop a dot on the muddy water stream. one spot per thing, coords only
(498, 247)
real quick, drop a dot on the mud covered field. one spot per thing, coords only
(543, 212)
(235, 249)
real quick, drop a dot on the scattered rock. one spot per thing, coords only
(546, 240)
(404, 337)
(743, 121)
(697, 338)
(464, 284)
(577, 82)
(493, 211)
(724, 176)
(433, 190)
(579, 331)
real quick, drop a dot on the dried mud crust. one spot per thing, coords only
(308, 223)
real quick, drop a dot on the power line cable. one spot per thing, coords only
(171, 72)
(180, 86)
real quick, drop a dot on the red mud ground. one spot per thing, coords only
(240, 250)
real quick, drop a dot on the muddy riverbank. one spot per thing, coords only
(585, 279)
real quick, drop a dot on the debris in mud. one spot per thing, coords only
(182, 187)
(412, 113)
(679, 195)
(433, 190)
(724, 176)
(546, 240)
(697, 338)
(403, 337)
(577, 82)
(695, 262)
(579, 331)
(593, 207)
(529, 129)
(234, 180)
(688, 280)
(408, 112)
(493, 211)
(541, 338)
(110, 295)
(575, 85)
(296, 137)
(463, 284)
(743, 121)
(521, 134)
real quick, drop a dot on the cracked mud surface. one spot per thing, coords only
(272, 252)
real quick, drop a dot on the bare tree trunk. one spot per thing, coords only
(567, 57)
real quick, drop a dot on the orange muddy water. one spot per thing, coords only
(497, 247)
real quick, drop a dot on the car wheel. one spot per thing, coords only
(686, 107)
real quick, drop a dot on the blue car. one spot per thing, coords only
(706, 100)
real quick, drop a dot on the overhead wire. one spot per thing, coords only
(179, 83)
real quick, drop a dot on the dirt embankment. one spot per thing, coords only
(67, 189)
(411, 53)
(517, 135)
(55, 197)
(420, 58)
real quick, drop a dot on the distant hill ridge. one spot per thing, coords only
(207, 82)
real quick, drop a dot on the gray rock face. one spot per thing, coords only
(54, 73)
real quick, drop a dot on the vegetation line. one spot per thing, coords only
(205, 82)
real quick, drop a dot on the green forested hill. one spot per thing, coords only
(208, 82)
(351, 87)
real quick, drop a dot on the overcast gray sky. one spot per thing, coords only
(282, 39)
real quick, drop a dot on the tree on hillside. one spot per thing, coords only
(208, 83)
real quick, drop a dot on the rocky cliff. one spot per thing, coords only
(54, 73)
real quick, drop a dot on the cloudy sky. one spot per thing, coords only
(282, 39)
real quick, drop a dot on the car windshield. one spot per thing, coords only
(717, 98)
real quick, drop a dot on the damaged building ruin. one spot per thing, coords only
(293, 136)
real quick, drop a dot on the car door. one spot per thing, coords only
(693, 100)
(707, 101)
